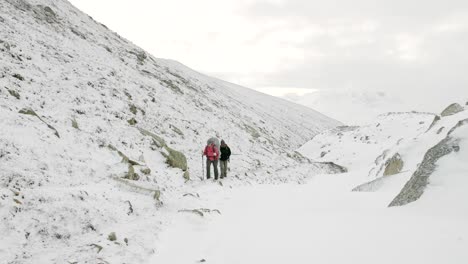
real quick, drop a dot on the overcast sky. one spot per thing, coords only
(397, 46)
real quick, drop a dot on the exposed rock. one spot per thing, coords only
(440, 130)
(175, 129)
(75, 124)
(145, 170)
(297, 156)
(157, 195)
(14, 93)
(170, 84)
(132, 121)
(18, 76)
(133, 109)
(21, 5)
(28, 111)
(131, 175)
(125, 158)
(452, 109)
(193, 211)
(175, 158)
(99, 248)
(252, 131)
(140, 55)
(112, 236)
(393, 165)
(158, 141)
(77, 33)
(187, 175)
(415, 187)
(45, 13)
(196, 195)
(434, 122)
(323, 154)
(334, 168)
(459, 124)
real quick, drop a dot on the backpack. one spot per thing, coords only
(210, 152)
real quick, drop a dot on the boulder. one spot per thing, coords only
(112, 236)
(452, 109)
(393, 165)
(145, 170)
(75, 124)
(132, 121)
(131, 175)
(187, 175)
(175, 158)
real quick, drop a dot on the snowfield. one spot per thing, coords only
(97, 137)
(324, 221)
(100, 162)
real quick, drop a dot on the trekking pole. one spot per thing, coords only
(203, 168)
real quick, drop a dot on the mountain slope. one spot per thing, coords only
(403, 155)
(97, 136)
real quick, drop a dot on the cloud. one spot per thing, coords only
(399, 46)
(396, 46)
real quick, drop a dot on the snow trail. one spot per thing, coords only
(318, 222)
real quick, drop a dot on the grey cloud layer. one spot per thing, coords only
(385, 45)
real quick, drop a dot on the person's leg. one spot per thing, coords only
(215, 165)
(208, 163)
(226, 166)
(223, 168)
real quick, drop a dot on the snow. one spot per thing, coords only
(323, 221)
(62, 195)
(318, 222)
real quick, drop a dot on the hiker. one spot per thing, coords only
(224, 159)
(212, 155)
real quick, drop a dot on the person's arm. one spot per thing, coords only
(228, 153)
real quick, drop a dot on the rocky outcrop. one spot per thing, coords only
(434, 122)
(334, 168)
(452, 109)
(28, 111)
(174, 158)
(393, 165)
(415, 187)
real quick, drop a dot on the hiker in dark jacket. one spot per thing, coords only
(212, 155)
(224, 159)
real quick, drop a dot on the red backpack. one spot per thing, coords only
(210, 152)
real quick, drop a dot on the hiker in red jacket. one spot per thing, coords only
(212, 155)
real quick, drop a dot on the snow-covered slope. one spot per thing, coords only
(399, 154)
(94, 133)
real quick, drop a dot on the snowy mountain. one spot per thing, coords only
(402, 200)
(405, 153)
(100, 142)
(356, 106)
